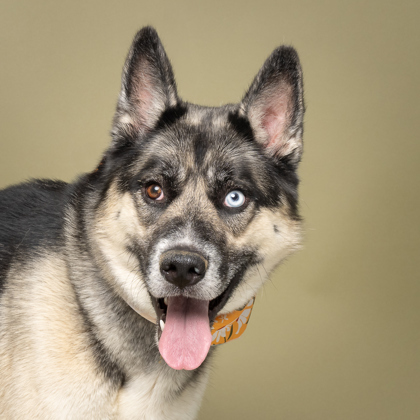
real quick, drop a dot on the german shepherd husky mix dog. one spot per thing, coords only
(110, 285)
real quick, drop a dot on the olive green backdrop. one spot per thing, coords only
(336, 333)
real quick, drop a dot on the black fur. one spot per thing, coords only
(171, 116)
(31, 214)
(197, 155)
(31, 218)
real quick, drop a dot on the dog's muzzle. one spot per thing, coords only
(183, 268)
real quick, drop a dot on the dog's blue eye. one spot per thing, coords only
(234, 199)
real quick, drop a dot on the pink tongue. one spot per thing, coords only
(186, 337)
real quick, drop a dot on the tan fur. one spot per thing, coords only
(46, 364)
(274, 247)
(111, 233)
(79, 257)
(116, 222)
(42, 360)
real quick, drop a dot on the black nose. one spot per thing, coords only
(182, 268)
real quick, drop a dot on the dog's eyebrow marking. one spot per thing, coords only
(159, 165)
(276, 229)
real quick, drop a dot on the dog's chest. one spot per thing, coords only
(161, 395)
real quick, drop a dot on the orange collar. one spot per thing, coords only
(230, 326)
(225, 327)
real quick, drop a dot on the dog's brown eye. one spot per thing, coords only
(155, 192)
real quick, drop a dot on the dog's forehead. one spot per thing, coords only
(202, 142)
(208, 117)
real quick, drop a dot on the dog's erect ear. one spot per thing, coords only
(148, 85)
(274, 105)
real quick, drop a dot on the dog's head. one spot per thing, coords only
(199, 204)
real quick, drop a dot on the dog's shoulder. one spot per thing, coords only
(37, 205)
(31, 216)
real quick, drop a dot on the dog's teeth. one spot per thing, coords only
(165, 301)
(162, 325)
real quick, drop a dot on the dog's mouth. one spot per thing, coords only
(215, 306)
(184, 324)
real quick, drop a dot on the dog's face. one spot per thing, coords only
(200, 203)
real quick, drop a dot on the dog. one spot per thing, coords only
(109, 285)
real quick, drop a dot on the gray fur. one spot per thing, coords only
(79, 263)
